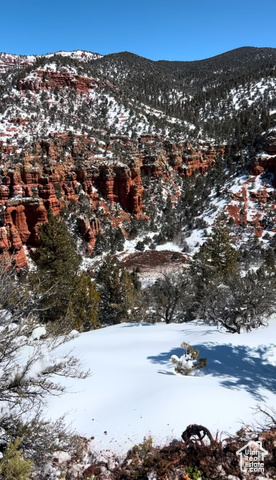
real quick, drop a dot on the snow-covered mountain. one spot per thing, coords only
(142, 163)
(225, 98)
(150, 126)
(10, 61)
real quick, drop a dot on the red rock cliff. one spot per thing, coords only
(66, 171)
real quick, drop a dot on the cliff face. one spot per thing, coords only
(101, 183)
(267, 160)
(121, 184)
(41, 181)
(67, 171)
(190, 159)
(47, 80)
(11, 244)
(184, 159)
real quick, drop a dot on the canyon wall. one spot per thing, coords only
(62, 173)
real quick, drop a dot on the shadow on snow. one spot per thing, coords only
(136, 324)
(240, 367)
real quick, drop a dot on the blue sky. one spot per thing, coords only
(156, 29)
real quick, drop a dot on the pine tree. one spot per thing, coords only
(217, 257)
(57, 261)
(57, 253)
(214, 266)
(12, 465)
(118, 291)
(83, 307)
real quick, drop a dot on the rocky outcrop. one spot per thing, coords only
(184, 159)
(90, 229)
(15, 215)
(4, 193)
(266, 161)
(117, 183)
(20, 224)
(199, 160)
(26, 215)
(10, 61)
(48, 80)
(72, 172)
(47, 192)
(257, 169)
(247, 207)
(105, 181)
(11, 245)
(128, 183)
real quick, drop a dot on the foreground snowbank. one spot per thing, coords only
(133, 391)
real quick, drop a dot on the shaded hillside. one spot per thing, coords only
(204, 90)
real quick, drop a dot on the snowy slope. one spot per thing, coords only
(10, 60)
(133, 391)
(81, 55)
(42, 109)
(186, 99)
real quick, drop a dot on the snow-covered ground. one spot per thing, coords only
(133, 391)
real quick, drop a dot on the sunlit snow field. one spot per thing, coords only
(133, 391)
